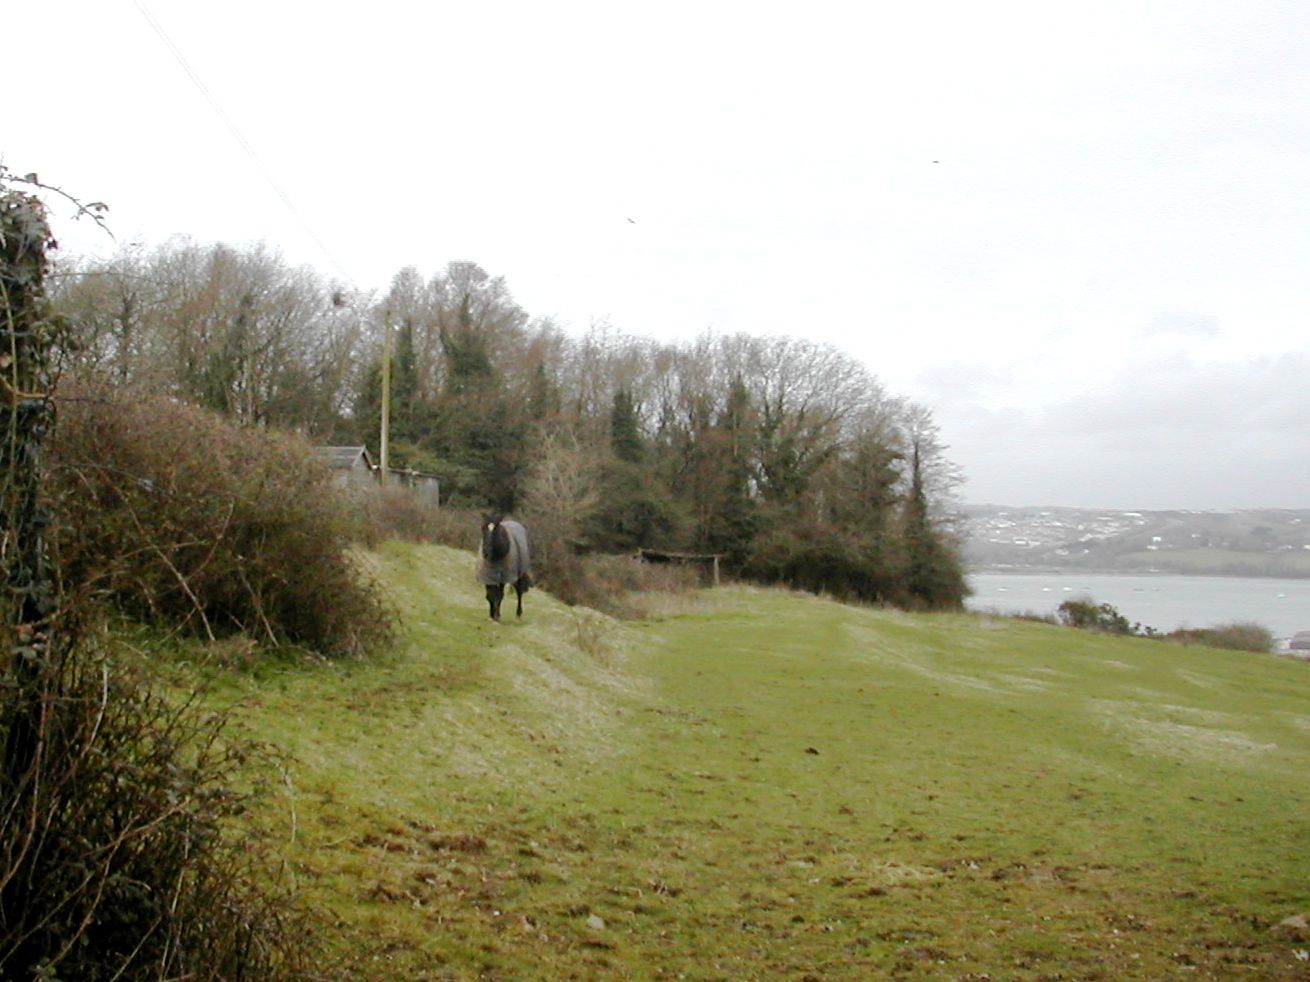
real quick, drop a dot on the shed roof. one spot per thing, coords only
(341, 458)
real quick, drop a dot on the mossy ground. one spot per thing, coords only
(764, 785)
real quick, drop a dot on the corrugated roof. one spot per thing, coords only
(340, 458)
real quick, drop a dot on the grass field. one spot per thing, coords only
(762, 785)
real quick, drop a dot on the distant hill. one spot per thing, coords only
(1261, 542)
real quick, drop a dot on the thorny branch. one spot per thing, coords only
(94, 210)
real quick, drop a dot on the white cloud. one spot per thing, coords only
(1020, 211)
(1165, 434)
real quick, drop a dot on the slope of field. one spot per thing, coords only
(764, 785)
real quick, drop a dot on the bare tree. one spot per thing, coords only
(237, 330)
(561, 489)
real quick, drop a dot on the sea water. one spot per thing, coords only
(1159, 601)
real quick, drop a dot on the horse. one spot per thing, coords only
(505, 558)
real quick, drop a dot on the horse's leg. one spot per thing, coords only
(518, 594)
(495, 593)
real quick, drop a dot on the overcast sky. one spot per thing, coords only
(1079, 233)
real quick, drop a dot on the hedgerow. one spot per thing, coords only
(119, 856)
(178, 517)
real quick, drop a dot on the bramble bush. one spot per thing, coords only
(178, 517)
(1238, 636)
(1091, 616)
(119, 856)
(1087, 614)
(396, 512)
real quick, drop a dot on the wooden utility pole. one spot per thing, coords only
(384, 461)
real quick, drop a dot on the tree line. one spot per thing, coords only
(784, 456)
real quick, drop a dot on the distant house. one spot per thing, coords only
(351, 467)
(1300, 641)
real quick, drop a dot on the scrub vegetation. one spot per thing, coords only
(1088, 615)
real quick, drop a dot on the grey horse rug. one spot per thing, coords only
(505, 560)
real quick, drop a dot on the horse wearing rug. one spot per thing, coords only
(505, 560)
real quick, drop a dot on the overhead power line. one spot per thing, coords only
(264, 171)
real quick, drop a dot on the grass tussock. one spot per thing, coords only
(177, 517)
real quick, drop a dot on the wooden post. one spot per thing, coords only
(384, 461)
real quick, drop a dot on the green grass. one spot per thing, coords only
(765, 785)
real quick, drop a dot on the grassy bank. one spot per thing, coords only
(762, 785)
